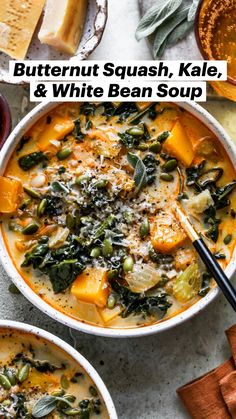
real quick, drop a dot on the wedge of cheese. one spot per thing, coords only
(63, 23)
(18, 20)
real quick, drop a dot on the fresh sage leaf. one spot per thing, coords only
(140, 176)
(167, 27)
(155, 16)
(179, 32)
(140, 171)
(161, 49)
(44, 406)
(132, 159)
(192, 10)
(59, 187)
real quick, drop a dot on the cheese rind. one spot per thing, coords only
(63, 23)
(18, 20)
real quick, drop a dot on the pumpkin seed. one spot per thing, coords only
(25, 204)
(107, 248)
(112, 274)
(30, 229)
(93, 391)
(128, 264)
(100, 184)
(136, 131)
(24, 373)
(41, 207)
(142, 146)
(167, 177)
(70, 221)
(96, 252)
(228, 239)
(72, 412)
(170, 165)
(80, 179)
(64, 153)
(6, 402)
(111, 301)
(11, 375)
(144, 228)
(5, 382)
(155, 147)
(69, 397)
(58, 393)
(64, 382)
(31, 192)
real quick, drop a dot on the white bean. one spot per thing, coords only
(38, 181)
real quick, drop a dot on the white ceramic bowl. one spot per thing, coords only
(92, 373)
(6, 152)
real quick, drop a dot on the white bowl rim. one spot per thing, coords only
(9, 267)
(64, 346)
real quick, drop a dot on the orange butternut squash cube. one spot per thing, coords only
(108, 315)
(179, 145)
(166, 233)
(57, 129)
(91, 286)
(10, 190)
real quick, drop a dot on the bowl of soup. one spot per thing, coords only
(42, 376)
(88, 232)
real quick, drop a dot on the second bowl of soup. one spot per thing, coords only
(87, 228)
(43, 377)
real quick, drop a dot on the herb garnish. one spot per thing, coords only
(169, 21)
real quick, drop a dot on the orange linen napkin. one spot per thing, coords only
(213, 396)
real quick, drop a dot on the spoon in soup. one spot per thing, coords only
(207, 257)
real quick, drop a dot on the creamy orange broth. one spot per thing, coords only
(148, 266)
(49, 371)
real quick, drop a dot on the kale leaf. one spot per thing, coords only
(128, 140)
(210, 218)
(36, 256)
(193, 174)
(124, 110)
(151, 163)
(61, 265)
(109, 109)
(54, 205)
(77, 133)
(28, 161)
(19, 406)
(88, 108)
(220, 195)
(135, 303)
(41, 366)
(62, 274)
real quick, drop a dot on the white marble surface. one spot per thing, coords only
(141, 374)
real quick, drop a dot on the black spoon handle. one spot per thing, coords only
(217, 272)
